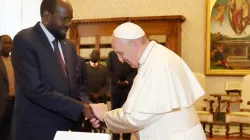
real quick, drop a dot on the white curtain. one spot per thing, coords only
(30, 13)
(16, 15)
(10, 17)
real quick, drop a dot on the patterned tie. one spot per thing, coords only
(59, 56)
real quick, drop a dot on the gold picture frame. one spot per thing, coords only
(227, 37)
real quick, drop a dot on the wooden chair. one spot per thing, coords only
(243, 115)
(204, 106)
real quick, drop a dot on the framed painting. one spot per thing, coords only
(227, 37)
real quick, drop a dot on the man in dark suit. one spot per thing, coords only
(98, 79)
(98, 83)
(44, 63)
(122, 76)
(4, 88)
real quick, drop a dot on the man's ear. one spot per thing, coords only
(134, 45)
(46, 16)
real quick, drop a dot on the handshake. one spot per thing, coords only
(95, 113)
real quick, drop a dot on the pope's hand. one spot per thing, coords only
(99, 110)
(95, 123)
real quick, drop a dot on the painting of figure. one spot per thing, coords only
(228, 37)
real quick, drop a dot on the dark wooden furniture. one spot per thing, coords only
(155, 25)
(220, 95)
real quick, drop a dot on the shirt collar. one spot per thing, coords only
(146, 52)
(92, 64)
(50, 37)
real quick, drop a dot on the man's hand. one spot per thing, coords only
(87, 112)
(95, 123)
(94, 96)
(99, 110)
(122, 84)
(119, 83)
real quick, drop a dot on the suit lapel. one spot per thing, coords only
(3, 69)
(43, 38)
(46, 44)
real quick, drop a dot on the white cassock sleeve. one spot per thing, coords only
(118, 121)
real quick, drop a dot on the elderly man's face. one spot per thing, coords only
(125, 51)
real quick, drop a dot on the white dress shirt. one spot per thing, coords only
(93, 64)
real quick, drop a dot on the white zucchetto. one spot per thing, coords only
(128, 30)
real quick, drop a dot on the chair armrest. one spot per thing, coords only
(211, 104)
(210, 101)
(228, 102)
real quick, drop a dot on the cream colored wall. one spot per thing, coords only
(193, 43)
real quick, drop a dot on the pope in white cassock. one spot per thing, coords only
(160, 104)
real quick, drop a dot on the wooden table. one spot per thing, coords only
(219, 96)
